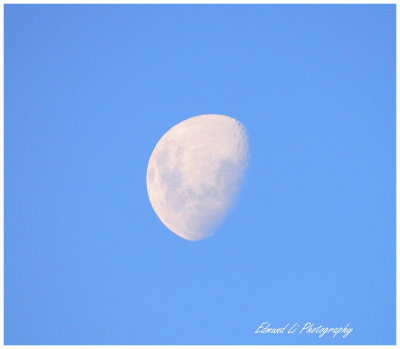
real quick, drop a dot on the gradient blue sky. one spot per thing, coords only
(89, 90)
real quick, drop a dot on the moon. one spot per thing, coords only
(195, 172)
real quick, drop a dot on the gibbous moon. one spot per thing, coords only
(195, 172)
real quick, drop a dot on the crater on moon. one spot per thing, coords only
(195, 172)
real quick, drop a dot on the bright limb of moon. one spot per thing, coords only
(195, 172)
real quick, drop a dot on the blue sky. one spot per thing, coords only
(89, 90)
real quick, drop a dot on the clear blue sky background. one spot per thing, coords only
(89, 90)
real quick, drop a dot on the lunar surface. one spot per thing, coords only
(195, 173)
